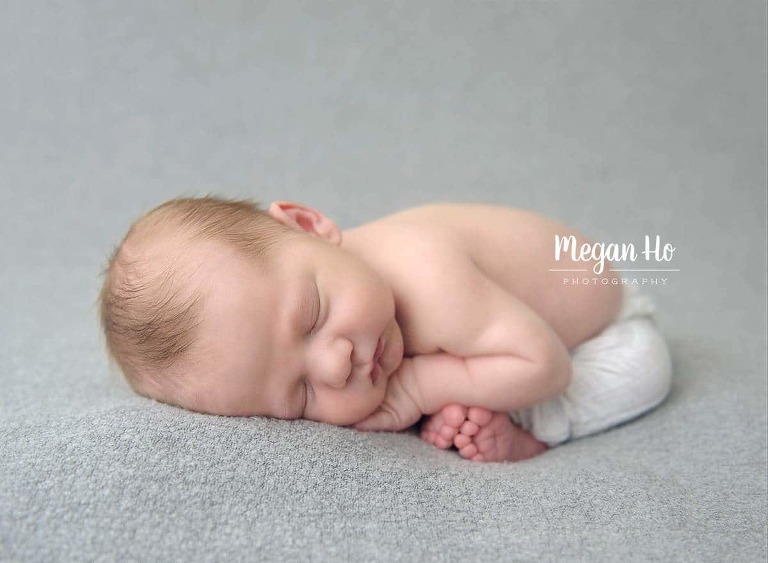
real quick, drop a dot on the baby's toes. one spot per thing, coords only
(454, 415)
(433, 423)
(469, 428)
(469, 451)
(479, 415)
(461, 441)
(443, 438)
(434, 438)
(447, 433)
(436, 432)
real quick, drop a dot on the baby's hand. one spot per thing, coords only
(398, 411)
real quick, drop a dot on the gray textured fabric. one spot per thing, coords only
(620, 118)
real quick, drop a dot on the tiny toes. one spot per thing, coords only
(435, 439)
(469, 428)
(432, 424)
(454, 415)
(461, 440)
(479, 415)
(442, 443)
(468, 451)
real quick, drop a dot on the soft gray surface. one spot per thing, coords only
(621, 118)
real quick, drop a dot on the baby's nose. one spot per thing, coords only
(338, 366)
(336, 377)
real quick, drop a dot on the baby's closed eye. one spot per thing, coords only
(317, 308)
(308, 312)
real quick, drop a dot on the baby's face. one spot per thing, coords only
(314, 338)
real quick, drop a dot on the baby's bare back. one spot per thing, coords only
(513, 248)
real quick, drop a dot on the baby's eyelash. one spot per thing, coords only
(307, 387)
(318, 305)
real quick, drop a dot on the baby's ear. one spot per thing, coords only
(305, 218)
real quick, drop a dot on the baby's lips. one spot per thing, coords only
(379, 349)
(375, 372)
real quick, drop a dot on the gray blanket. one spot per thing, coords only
(623, 119)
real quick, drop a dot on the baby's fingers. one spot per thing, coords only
(379, 421)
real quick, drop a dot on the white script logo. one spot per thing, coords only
(613, 252)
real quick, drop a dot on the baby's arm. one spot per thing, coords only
(498, 354)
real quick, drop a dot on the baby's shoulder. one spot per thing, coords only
(470, 221)
(406, 238)
(482, 232)
(452, 214)
(444, 236)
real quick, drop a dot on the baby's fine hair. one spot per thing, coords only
(150, 304)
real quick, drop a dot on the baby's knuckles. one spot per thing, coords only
(400, 407)
(403, 398)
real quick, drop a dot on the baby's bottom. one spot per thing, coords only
(623, 372)
(618, 375)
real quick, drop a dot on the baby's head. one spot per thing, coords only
(221, 307)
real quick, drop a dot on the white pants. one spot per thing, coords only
(618, 375)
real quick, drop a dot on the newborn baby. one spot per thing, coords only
(449, 311)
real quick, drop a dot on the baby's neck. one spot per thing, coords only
(357, 241)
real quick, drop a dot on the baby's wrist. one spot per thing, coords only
(406, 377)
(418, 385)
(438, 380)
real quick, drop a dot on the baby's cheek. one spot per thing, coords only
(345, 410)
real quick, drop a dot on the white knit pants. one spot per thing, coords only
(618, 375)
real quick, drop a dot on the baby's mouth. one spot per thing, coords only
(375, 372)
(376, 367)
(379, 349)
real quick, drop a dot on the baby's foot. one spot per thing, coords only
(441, 428)
(491, 436)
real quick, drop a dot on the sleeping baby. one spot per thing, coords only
(449, 315)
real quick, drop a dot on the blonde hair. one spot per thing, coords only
(150, 304)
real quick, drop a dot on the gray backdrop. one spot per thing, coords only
(621, 118)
